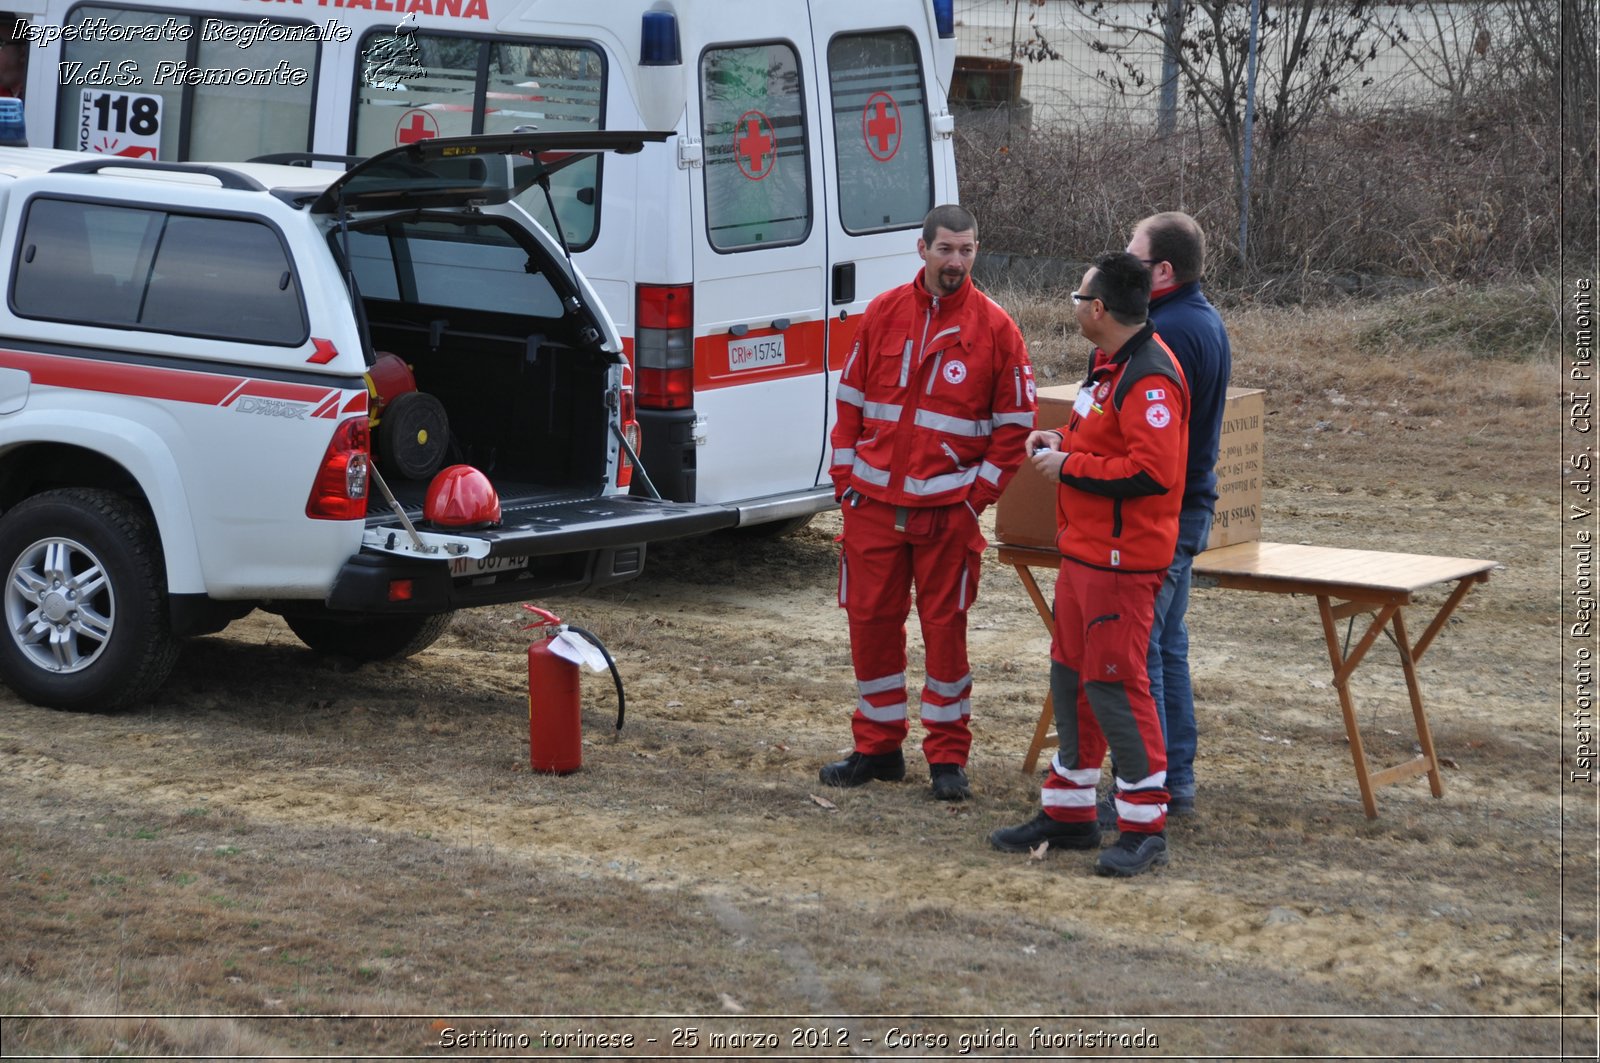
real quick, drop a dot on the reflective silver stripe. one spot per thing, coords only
(905, 364)
(851, 395)
(882, 684)
(1139, 813)
(881, 713)
(951, 331)
(948, 690)
(1081, 777)
(1158, 779)
(933, 374)
(946, 713)
(855, 352)
(1024, 420)
(938, 485)
(956, 426)
(876, 477)
(844, 580)
(1053, 798)
(881, 411)
(990, 472)
(966, 572)
(844, 456)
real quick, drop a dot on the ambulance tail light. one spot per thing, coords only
(339, 491)
(663, 346)
(630, 432)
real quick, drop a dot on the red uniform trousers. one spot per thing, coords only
(887, 549)
(1101, 692)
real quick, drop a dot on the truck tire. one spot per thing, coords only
(368, 638)
(85, 598)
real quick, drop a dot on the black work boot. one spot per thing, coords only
(1133, 854)
(1025, 837)
(949, 782)
(858, 769)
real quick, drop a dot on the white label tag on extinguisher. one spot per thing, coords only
(578, 650)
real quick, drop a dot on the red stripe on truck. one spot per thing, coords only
(153, 382)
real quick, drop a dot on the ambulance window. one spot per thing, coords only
(758, 190)
(203, 94)
(417, 86)
(880, 130)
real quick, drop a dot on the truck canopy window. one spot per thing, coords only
(476, 267)
(222, 278)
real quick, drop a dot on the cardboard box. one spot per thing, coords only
(1026, 514)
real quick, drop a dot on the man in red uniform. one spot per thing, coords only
(935, 401)
(1119, 461)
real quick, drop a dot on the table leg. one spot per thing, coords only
(1042, 731)
(1344, 664)
(1414, 688)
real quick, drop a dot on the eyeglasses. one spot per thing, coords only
(1151, 262)
(1079, 297)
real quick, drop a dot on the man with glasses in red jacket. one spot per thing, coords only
(1118, 464)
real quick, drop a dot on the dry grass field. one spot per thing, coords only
(288, 855)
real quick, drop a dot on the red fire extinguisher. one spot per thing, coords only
(555, 727)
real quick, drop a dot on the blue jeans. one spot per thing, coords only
(1168, 662)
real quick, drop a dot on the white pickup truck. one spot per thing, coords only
(230, 386)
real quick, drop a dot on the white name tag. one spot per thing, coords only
(1083, 402)
(755, 354)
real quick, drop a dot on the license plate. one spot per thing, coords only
(486, 566)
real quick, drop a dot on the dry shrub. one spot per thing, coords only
(1448, 194)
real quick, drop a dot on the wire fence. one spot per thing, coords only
(1050, 62)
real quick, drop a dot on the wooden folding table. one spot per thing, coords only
(1345, 583)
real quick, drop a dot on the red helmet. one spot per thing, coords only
(461, 497)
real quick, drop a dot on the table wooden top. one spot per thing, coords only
(1338, 567)
(1357, 575)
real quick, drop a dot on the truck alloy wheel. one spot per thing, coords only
(84, 600)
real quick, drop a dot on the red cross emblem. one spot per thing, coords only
(755, 145)
(880, 126)
(421, 127)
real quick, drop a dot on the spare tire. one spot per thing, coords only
(413, 436)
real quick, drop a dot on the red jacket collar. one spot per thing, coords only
(954, 301)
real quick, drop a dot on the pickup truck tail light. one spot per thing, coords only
(663, 346)
(339, 491)
(630, 432)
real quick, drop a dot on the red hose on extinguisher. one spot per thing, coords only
(555, 727)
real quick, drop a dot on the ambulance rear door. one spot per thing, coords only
(888, 161)
(760, 275)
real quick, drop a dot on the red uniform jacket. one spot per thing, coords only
(1126, 443)
(935, 402)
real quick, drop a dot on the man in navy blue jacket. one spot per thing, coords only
(1174, 248)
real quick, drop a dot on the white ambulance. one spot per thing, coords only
(811, 137)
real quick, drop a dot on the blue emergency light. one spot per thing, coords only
(944, 16)
(658, 40)
(13, 132)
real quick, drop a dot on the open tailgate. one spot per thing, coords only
(554, 526)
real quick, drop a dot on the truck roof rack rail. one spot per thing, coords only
(225, 177)
(306, 158)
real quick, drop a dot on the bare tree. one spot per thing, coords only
(1309, 52)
